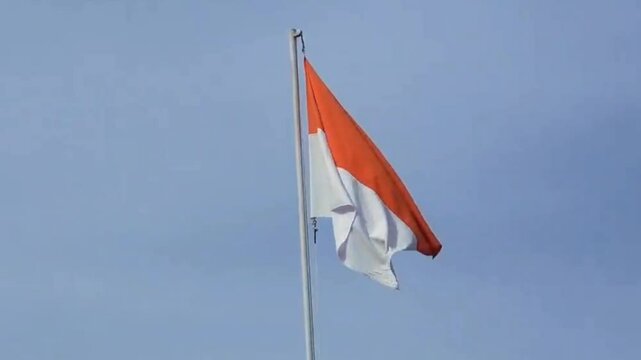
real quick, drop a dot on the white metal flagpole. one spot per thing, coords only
(302, 201)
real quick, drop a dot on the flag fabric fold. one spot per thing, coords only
(373, 214)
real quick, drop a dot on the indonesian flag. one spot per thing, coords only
(373, 214)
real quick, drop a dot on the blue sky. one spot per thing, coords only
(148, 200)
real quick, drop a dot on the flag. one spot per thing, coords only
(373, 214)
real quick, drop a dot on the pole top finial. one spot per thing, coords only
(297, 32)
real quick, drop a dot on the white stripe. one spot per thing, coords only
(367, 233)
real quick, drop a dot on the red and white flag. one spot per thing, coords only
(372, 212)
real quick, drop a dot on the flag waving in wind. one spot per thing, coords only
(372, 212)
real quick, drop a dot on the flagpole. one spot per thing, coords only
(302, 201)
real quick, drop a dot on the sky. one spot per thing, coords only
(148, 186)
